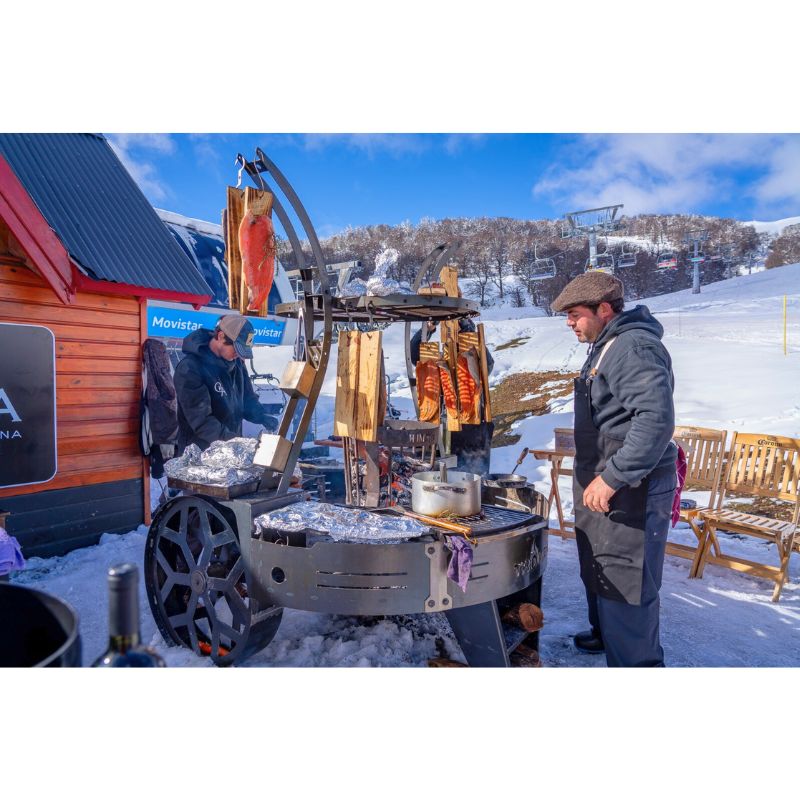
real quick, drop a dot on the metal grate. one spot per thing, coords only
(493, 519)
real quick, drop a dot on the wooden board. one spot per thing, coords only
(358, 385)
(484, 365)
(369, 387)
(233, 257)
(467, 340)
(429, 351)
(449, 279)
(344, 420)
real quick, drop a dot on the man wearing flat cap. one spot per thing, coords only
(212, 385)
(624, 475)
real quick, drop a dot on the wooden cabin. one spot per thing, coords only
(81, 252)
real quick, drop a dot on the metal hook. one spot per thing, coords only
(239, 160)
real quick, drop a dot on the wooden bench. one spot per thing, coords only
(705, 455)
(759, 465)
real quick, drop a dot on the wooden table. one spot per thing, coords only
(566, 528)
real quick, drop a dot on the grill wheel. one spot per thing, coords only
(197, 583)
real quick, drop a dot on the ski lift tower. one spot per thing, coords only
(591, 222)
(694, 239)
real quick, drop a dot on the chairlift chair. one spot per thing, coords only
(667, 260)
(626, 259)
(543, 268)
(605, 262)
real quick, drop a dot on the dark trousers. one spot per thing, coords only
(631, 633)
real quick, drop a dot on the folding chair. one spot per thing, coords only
(705, 454)
(759, 465)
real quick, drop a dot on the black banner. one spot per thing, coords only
(27, 405)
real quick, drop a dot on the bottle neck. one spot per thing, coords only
(121, 644)
(123, 610)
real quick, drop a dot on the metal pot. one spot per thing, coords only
(506, 480)
(454, 493)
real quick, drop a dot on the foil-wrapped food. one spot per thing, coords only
(341, 524)
(221, 464)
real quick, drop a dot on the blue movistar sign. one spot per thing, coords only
(175, 323)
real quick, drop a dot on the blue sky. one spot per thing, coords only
(360, 179)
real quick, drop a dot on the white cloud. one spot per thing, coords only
(143, 172)
(672, 173)
(782, 183)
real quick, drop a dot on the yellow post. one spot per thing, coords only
(784, 324)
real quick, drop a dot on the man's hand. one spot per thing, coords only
(597, 495)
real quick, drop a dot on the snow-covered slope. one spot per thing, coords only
(775, 228)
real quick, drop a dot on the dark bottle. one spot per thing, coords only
(124, 647)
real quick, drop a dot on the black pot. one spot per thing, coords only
(505, 480)
(37, 629)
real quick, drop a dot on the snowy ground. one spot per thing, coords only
(731, 372)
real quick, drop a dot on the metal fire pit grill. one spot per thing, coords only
(222, 593)
(218, 587)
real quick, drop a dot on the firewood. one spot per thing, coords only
(445, 662)
(524, 656)
(527, 616)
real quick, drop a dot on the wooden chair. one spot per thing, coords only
(759, 465)
(564, 449)
(705, 455)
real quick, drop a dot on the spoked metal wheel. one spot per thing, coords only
(197, 583)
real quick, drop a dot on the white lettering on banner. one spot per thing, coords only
(6, 407)
(10, 435)
(175, 324)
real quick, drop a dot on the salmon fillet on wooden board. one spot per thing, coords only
(450, 397)
(429, 391)
(257, 246)
(469, 387)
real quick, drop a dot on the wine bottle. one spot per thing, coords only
(124, 646)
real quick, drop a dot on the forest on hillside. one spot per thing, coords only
(500, 254)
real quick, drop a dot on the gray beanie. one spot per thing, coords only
(589, 289)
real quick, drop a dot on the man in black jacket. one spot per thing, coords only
(624, 477)
(214, 390)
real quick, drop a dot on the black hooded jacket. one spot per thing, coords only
(632, 397)
(214, 395)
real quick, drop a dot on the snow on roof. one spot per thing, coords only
(199, 225)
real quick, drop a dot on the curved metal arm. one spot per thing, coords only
(309, 273)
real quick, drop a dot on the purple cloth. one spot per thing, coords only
(680, 468)
(10, 553)
(460, 561)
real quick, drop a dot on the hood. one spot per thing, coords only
(638, 318)
(196, 343)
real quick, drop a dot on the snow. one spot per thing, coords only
(775, 228)
(731, 372)
(201, 226)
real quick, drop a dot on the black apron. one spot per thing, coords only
(610, 545)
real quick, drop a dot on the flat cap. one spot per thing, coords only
(589, 289)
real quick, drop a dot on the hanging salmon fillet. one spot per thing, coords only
(257, 246)
(449, 392)
(469, 387)
(429, 391)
